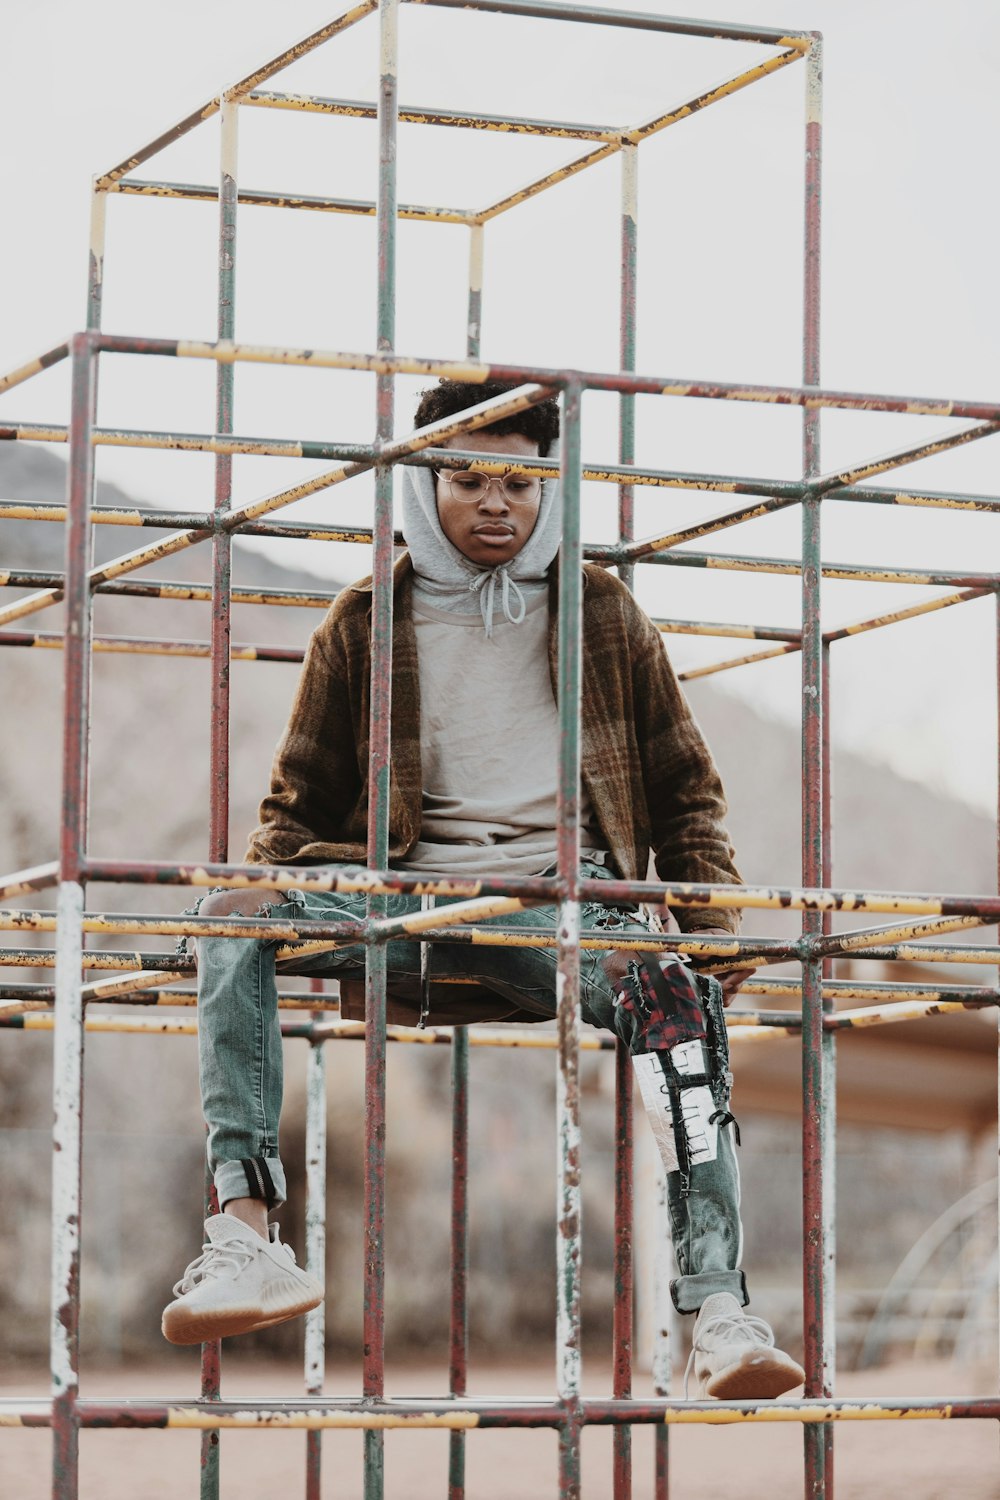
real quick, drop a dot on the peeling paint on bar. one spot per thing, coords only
(412, 115)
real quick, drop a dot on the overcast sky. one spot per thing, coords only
(910, 292)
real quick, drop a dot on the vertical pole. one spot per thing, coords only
(69, 1034)
(95, 272)
(458, 1331)
(474, 322)
(315, 1340)
(816, 1203)
(218, 814)
(373, 1379)
(459, 1267)
(998, 888)
(568, 973)
(663, 1314)
(622, 1334)
(627, 348)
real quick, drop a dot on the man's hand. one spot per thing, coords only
(617, 962)
(733, 979)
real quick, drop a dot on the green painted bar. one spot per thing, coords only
(569, 678)
(816, 1170)
(373, 1382)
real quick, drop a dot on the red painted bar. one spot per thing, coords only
(458, 1322)
(624, 1278)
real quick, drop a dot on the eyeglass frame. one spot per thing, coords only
(499, 479)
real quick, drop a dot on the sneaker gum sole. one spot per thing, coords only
(202, 1328)
(759, 1376)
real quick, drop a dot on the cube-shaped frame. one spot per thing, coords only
(914, 916)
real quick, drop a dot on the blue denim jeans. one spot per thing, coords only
(240, 1054)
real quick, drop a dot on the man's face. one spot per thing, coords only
(492, 529)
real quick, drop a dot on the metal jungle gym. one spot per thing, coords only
(63, 1009)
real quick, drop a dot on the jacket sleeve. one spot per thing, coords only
(315, 782)
(686, 802)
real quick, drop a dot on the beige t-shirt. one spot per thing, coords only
(489, 737)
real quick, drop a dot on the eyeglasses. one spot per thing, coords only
(469, 484)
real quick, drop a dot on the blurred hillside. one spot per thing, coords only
(143, 1127)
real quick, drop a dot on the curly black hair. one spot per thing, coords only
(539, 423)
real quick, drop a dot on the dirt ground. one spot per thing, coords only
(925, 1460)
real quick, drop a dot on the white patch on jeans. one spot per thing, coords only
(697, 1105)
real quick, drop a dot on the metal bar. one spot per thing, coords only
(192, 442)
(197, 192)
(385, 363)
(568, 1234)
(474, 325)
(415, 1414)
(624, 1273)
(746, 1026)
(816, 488)
(539, 888)
(315, 1335)
(627, 344)
(554, 10)
(68, 1042)
(832, 945)
(245, 86)
(34, 367)
(123, 645)
(27, 882)
(816, 1216)
(468, 421)
(220, 654)
(410, 114)
(641, 132)
(373, 1384)
(489, 462)
(927, 607)
(458, 1250)
(139, 645)
(175, 589)
(624, 1268)
(663, 1316)
(458, 1323)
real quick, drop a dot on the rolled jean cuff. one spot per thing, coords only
(689, 1292)
(260, 1177)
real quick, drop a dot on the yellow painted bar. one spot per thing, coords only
(878, 937)
(638, 133)
(732, 86)
(785, 1412)
(191, 192)
(357, 109)
(237, 91)
(33, 367)
(205, 1418)
(738, 661)
(928, 606)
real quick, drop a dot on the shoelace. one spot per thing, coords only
(215, 1260)
(748, 1330)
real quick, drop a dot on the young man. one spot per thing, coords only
(474, 753)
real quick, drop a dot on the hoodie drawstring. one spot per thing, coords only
(486, 585)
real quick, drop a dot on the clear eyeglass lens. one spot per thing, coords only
(473, 486)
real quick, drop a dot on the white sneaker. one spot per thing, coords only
(733, 1357)
(238, 1284)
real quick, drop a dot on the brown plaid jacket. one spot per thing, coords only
(646, 767)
